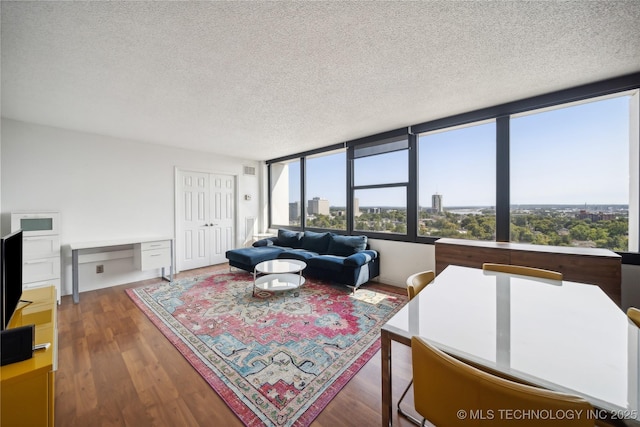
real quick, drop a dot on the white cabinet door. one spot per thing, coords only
(222, 216)
(206, 218)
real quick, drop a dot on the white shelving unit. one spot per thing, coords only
(40, 248)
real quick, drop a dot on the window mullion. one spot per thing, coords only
(502, 180)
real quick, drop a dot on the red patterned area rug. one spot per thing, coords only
(277, 359)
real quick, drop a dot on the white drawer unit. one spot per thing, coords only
(40, 269)
(151, 255)
(44, 283)
(40, 223)
(40, 248)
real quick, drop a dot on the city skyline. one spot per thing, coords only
(513, 205)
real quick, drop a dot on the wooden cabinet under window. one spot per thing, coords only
(600, 267)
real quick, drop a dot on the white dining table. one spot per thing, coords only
(560, 335)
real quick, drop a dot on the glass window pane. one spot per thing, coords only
(382, 210)
(457, 182)
(570, 176)
(285, 193)
(388, 168)
(326, 178)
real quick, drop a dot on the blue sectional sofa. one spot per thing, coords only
(340, 259)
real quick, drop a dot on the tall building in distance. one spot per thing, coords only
(318, 206)
(436, 203)
(356, 207)
(294, 211)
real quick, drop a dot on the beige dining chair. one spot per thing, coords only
(415, 283)
(525, 271)
(447, 389)
(634, 314)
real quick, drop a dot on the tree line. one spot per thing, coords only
(540, 228)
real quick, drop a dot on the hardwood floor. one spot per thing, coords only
(115, 368)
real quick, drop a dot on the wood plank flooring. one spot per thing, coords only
(115, 368)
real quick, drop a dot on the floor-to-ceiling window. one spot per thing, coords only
(457, 182)
(380, 185)
(326, 190)
(570, 175)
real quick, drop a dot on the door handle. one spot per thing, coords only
(212, 225)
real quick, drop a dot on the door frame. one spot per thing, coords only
(177, 225)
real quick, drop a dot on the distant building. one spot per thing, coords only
(294, 211)
(436, 203)
(373, 210)
(356, 207)
(318, 206)
(583, 214)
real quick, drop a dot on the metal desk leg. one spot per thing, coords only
(170, 278)
(385, 352)
(171, 269)
(74, 276)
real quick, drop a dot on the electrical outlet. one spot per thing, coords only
(99, 268)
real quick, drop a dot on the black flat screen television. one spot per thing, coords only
(10, 276)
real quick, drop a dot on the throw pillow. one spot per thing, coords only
(316, 242)
(263, 242)
(346, 245)
(289, 238)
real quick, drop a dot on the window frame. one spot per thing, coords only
(433, 239)
(502, 115)
(409, 185)
(341, 149)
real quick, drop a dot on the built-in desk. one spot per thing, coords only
(148, 253)
(600, 267)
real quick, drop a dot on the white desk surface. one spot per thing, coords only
(117, 242)
(559, 335)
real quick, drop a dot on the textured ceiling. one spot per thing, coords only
(260, 80)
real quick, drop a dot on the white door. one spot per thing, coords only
(206, 214)
(221, 216)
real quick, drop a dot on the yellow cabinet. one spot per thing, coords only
(27, 387)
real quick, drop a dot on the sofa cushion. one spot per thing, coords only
(289, 238)
(360, 258)
(316, 242)
(299, 254)
(264, 242)
(346, 245)
(327, 262)
(253, 256)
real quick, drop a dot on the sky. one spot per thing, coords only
(572, 155)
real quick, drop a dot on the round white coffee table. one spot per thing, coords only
(278, 275)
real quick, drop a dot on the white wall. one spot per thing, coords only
(105, 188)
(398, 260)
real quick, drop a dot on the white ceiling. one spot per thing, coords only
(260, 80)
